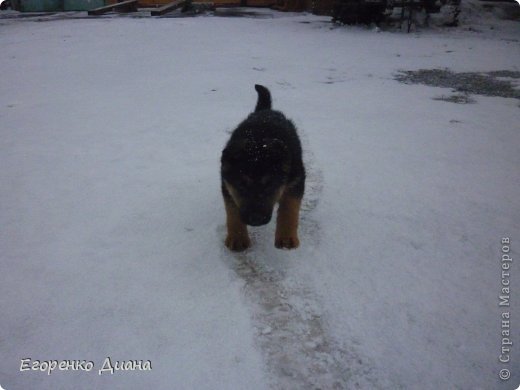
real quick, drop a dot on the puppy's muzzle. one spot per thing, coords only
(255, 217)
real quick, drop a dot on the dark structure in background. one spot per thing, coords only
(403, 12)
(376, 11)
(359, 11)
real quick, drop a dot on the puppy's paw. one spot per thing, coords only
(287, 242)
(238, 243)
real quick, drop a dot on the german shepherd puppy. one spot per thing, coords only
(262, 165)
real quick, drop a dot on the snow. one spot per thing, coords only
(113, 224)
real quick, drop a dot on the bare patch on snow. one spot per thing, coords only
(502, 83)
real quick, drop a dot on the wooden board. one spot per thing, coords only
(168, 7)
(124, 6)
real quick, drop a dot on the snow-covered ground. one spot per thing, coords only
(112, 223)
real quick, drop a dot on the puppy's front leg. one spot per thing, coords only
(237, 237)
(287, 222)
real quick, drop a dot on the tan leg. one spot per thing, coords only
(287, 222)
(237, 237)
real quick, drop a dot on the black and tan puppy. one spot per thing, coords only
(262, 165)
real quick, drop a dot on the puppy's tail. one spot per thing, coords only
(264, 98)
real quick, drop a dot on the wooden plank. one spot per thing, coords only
(227, 3)
(204, 5)
(168, 7)
(153, 3)
(207, 4)
(124, 6)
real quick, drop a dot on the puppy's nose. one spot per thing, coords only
(257, 219)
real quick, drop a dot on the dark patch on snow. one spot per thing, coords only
(497, 83)
(456, 98)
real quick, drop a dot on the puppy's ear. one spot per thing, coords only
(226, 160)
(232, 155)
(226, 155)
